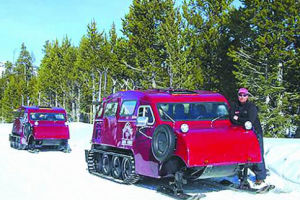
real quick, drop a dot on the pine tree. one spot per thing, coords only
(269, 58)
(4, 82)
(57, 74)
(91, 66)
(208, 26)
(24, 73)
(182, 72)
(11, 99)
(145, 54)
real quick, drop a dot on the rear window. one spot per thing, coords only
(47, 117)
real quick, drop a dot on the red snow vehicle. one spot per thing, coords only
(163, 133)
(40, 127)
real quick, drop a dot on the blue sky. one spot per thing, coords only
(35, 21)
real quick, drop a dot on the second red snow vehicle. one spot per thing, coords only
(163, 133)
(40, 127)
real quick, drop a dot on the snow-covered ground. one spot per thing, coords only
(56, 175)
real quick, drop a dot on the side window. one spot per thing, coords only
(99, 110)
(25, 119)
(146, 111)
(21, 114)
(127, 108)
(111, 109)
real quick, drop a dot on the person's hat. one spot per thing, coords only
(243, 91)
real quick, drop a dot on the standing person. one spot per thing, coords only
(243, 111)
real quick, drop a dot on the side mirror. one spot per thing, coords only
(141, 121)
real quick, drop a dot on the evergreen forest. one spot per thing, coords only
(196, 45)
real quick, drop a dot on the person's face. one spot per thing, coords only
(243, 97)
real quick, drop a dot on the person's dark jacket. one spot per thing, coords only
(245, 112)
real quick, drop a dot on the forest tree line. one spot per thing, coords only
(199, 44)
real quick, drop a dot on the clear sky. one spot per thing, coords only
(35, 21)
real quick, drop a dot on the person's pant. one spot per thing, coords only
(260, 168)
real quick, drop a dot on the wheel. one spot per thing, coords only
(127, 168)
(163, 142)
(66, 148)
(18, 146)
(106, 167)
(297, 135)
(14, 145)
(116, 167)
(99, 164)
(31, 143)
(27, 130)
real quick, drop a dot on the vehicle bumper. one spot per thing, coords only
(51, 142)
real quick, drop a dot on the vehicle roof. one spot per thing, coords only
(159, 95)
(43, 109)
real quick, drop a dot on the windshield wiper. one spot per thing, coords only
(212, 121)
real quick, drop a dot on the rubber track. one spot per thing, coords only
(15, 144)
(92, 168)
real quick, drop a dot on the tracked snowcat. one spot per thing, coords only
(36, 128)
(161, 133)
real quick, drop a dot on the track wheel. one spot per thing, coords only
(127, 168)
(116, 167)
(106, 167)
(18, 145)
(31, 143)
(99, 165)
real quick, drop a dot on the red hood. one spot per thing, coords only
(51, 130)
(221, 145)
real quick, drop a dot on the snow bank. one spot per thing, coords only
(283, 158)
(56, 175)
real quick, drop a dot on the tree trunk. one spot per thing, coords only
(73, 104)
(105, 82)
(39, 99)
(153, 80)
(55, 99)
(78, 106)
(171, 76)
(100, 85)
(113, 89)
(93, 97)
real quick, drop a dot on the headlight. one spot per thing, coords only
(184, 128)
(248, 125)
(36, 123)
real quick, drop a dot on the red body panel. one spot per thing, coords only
(221, 145)
(51, 130)
(41, 129)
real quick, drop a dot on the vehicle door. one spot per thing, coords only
(126, 124)
(110, 122)
(145, 133)
(142, 146)
(18, 123)
(98, 125)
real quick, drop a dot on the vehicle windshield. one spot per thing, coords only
(196, 111)
(47, 117)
